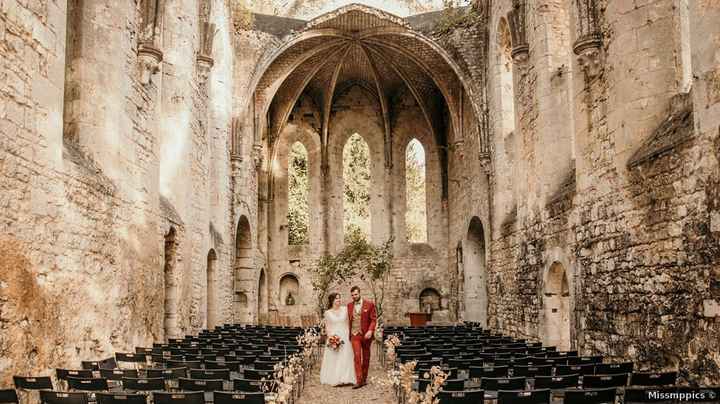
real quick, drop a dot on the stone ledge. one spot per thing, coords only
(277, 26)
(674, 131)
(168, 211)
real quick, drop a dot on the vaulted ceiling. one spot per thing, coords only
(363, 46)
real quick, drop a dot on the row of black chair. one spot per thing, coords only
(9, 396)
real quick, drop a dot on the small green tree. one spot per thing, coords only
(358, 257)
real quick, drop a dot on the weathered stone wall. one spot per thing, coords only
(627, 211)
(82, 220)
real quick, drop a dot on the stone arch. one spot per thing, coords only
(211, 297)
(430, 300)
(416, 189)
(171, 291)
(555, 324)
(474, 263)
(328, 34)
(262, 295)
(289, 285)
(243, 268)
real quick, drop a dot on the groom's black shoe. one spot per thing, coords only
(357, 386)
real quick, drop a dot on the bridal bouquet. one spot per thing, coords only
(334, 342)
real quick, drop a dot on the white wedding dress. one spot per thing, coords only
(338, 367)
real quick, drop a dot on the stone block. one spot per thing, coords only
(711, 308)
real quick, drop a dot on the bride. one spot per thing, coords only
(337, 366)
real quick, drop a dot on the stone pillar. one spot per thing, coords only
(97, 85)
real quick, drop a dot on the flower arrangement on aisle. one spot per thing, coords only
(391, 344)
(288, 377)
(335, 342)
(404, 377)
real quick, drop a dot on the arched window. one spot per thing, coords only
(356, 189)
(298, 192)
(243, 267)
(415, 193)
(475, 273)
(289, 290)
(211, 297)
(506, 92)
(556, 307)
(430, 300)
(171, 298)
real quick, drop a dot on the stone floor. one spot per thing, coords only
(373, 393)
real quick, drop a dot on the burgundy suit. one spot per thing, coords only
(361, 346)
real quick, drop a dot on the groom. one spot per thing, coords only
(362, 317)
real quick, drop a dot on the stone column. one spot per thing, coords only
(97, 85)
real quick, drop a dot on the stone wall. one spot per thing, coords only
(626, 207)
(83, 176)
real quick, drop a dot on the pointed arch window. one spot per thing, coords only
(298, 195)
(415, 193)
(356, 188)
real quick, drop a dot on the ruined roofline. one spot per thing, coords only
(282, 26)
(383, 15)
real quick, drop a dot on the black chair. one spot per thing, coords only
(143, 384)
(120, 398)
(532, 370)
(461, 397)
(590, 396)
(118, 374)
(249, 386)
(653, 379)
(87, 384)
(605, 381)
(225, 397)
(64, 374)
(256, 374)
(8, 396)
(201, 384)
(557, 382)
(650, 395)
(131, 357)
(33, 383)
(524, 397)
(167, 373)
(63, 397)
(454, 385)
(614, 368)
(264, 365)
(502, 383)
(478, 372)
(562, 370)
(90, 365)
(179, 398)
(223, 374)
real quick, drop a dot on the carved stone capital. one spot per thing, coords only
(258, 155)
(590, 60)
(204, 65)
(485, 162)
(588, 46)
(520, 54)
(518, 32)
(149, 58)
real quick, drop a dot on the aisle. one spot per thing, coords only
(315, 393)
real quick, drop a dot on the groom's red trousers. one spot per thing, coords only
(361, 349)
